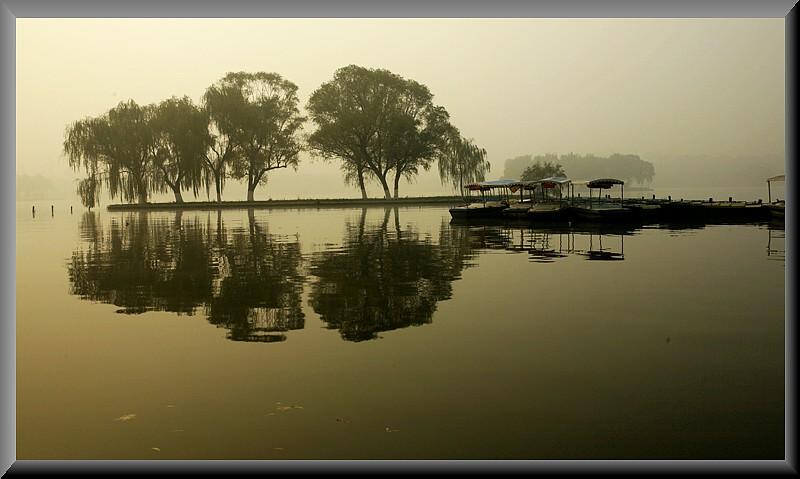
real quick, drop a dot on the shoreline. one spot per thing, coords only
(298, 203)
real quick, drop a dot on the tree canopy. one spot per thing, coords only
(541, 170)
(115, 150)
(377, 123)
(181, 139)
(462, 162)
(381, 127)
(259, 114)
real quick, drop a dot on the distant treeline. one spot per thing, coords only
(717, 170)
(629, 168)
(37, 187)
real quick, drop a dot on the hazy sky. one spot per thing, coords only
(516, 86)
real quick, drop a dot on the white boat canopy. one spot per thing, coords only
(554, 180)
(486, 185)
(769, 180)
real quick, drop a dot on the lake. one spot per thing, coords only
(350, 333)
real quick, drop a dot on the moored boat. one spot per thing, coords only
(602, 209)
(730, 210)
(777, 208)
(551, 207)
(517, 209)
(495, 196)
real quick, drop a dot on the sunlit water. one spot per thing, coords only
(392, 334)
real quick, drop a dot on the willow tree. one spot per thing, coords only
(264, 123)
(416, 133)
(375, 122)
(115, 150)
(181, 138)
(462, 161)
(222, 148)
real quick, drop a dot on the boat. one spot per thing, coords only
(777, 208)
(602, 209)
(733, 210)
(551, 207)
(495, 196)
(517, 209)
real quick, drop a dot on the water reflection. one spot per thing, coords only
(251, 282)
(244, 280)
(385, 278)
(776, 241)
(379, 277)
(546, 244)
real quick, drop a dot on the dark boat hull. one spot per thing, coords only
(464, 212)
(603, 214)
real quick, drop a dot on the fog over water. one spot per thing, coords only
(667, 89)
(400, 332)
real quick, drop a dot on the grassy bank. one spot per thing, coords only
(298, 203)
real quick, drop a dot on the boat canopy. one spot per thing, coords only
(488, 185)
(604, 183)
(553, 181)
(774, 178)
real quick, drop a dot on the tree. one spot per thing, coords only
(376, 122)
(88, 191)
(181, 138)
(115, 149)
(261, 118)
(462, 162)
(415, 133)
(222, 150)
(540, 170)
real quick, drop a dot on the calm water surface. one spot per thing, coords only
(392, 334)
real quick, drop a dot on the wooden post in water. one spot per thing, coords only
(33, 211)
(52, 212)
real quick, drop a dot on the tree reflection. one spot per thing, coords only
(383, 280)
(257, 295)
(245, 280)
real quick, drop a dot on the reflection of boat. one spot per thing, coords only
(776, 240)
(604, 208)
(598, 253)
(547, 242)
(776, 208)
(495, 196)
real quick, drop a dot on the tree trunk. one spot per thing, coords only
(386, 193)
(396, 184)
(251, 194)
(361, 184)
(142, 198)
(218, 182)
(177, 191)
